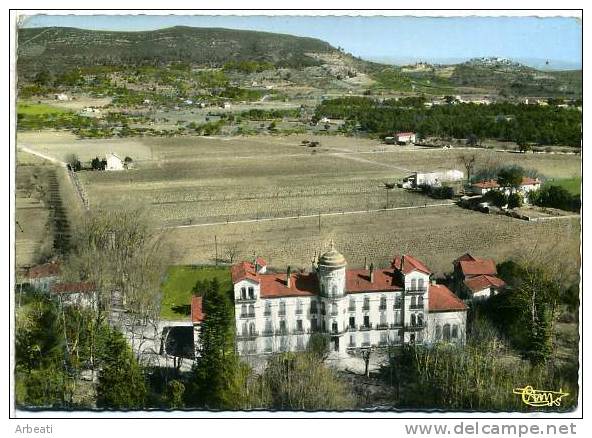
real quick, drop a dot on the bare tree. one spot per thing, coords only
(232, 252)
(468, 161)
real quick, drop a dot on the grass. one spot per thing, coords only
(573, 185)
(35, 109)
(178, 285)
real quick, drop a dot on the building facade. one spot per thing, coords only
(355, 308)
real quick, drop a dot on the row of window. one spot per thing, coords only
(447, 332)
(249, 310)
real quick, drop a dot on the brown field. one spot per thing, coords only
(200, 180)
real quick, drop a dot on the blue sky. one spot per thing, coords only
(405, 39)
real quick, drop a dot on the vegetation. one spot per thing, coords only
(179, 286)
(502, 121)
(555, 196)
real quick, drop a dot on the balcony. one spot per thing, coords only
(313, 311)
(281, 332)
(243, 336)
(246, 300)
(247, 315)
(382, 307)
(365, 344)
(416, 290)
(350, 345)
(352, 328)
(397, 324)
(416, 306)
(366, 307)
(298, 331)
(382, 326)
(268, 332)
(339, 332)
(414, 327)
(364, 328)
(267, 312)
(351, 309)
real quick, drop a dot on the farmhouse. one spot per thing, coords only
(61, 96)
(432, 179)
(356, 308)
(42, 277)
(82, 294)
(527, 185)
(405, 137)
(114, 162)
(476, 278)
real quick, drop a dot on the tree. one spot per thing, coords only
(468, 161)
(232, 252)
(43, 78)
(496, 197)
(174, 394)
(121, 382)
(511, 177)
(73, 162)
(515, 200)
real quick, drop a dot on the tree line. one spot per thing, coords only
(520, 123)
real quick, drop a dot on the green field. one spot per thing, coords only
(178, 285)
(35, 109)
(574, 185)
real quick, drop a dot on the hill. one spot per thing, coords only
(60, 48)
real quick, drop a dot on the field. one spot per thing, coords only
(178, 286)
(193, 186)
(573, 185)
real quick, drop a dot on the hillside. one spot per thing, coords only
(60, 48)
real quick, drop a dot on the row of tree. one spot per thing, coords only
(545, 125)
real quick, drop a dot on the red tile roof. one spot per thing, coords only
(466, 257)
(72, 288)
(242, 271)
(197, 314)
(478, 267)
(51, 269)
(358, 280)
(302, 285)
(481, 282)
(441, 299)
(407, 264)
(493, 184)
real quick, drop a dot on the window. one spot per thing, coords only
(282, 326)
(334, 327)
(454, 331)
(398, 302)
(269, 345)
(244, 310)
(383, 338)
(366, 321)
(366, 340)
(398, 318)
(252, 329)
(334, 290)
(438, 332)
(299, 307)
(251, 293)
(420, 283)
(314, 324)
(413, 302)
(352, 322)
(299, 326)
(282, 308)
(382, 303)
(352, 305)
(383, 319)
(267, 308)
(334, 309)
(413, 284)
(245, 329)
(366, 303)
(446, 332)
(268, 326)
(420, 319)
(413, 320)
(243, 293)
(323, 325)
(300, 342)
(420, 301)
(352, 340)
(322, 307)
(313, 307)
(251, 310)
(412, 338)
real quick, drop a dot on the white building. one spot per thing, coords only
(432, 179)
(81, 294)
(114, 162)
(61, 96)
(405, 137)
(356, 308)
(42, 277)
(527, 185)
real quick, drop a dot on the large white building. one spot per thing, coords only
(356, 308)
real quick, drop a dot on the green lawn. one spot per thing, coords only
(178, 284)
(35, 109)
(571, 184)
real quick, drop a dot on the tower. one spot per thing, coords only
(331, 270)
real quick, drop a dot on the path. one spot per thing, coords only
(40, 155)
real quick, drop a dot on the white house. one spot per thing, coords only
(405, 137)
(61, 96)
(356, 308)
(82, 294)
(527, 185)
(42, 277)
(432, 179)
(114, 162)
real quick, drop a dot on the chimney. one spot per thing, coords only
(288, 277)
(371, 272)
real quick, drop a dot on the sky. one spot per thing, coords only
(530, 40)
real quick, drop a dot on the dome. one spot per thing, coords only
(332, 259)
